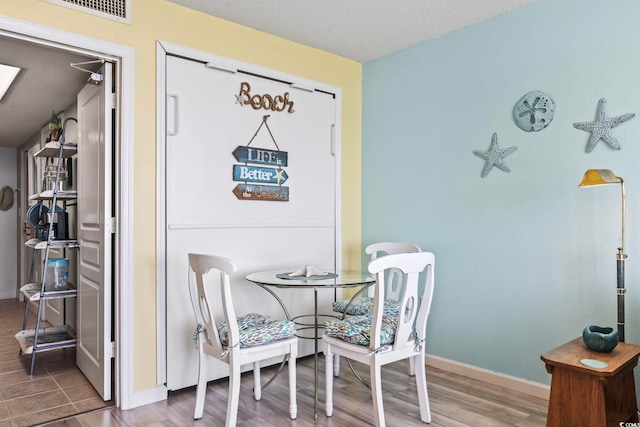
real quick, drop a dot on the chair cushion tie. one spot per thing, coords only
(196, 334)
(226, 351)
(378, 350)
(418, 341)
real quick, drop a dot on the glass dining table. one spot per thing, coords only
(289, 279)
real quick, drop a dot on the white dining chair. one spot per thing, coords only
(236, 341)
(364, 305)
(379, 338)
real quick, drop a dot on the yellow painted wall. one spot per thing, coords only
(154, 20)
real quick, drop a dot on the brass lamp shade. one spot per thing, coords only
(593, 177)
(599, 177)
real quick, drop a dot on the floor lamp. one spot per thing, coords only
(602, 177)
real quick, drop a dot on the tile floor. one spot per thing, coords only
(57, 388)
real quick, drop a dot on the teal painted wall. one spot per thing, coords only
(524, 260)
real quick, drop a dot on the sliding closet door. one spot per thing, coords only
(251, 175)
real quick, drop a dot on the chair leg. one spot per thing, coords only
(201, 388)
(336, 365)
(257, 388)
(293, 405)
(234, 393)
(328, 373)
(412, 367)
(376, 393)
(421, 383)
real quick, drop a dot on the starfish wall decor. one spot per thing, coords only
(495, 156)
(601, 127)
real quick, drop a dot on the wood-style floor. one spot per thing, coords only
(455, 400)
(57, 388)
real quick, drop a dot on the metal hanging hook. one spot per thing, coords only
(95, 78)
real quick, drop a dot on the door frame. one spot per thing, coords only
(163, 49)
(122, 57)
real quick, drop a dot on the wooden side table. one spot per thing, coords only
(584, 396)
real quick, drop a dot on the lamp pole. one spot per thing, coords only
(620, 258)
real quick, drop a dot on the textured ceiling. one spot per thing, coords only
(357, 29)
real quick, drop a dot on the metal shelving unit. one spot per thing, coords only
(33, 341)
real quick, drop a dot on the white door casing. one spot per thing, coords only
(94, 315)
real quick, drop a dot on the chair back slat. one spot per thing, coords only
(211, 299)
(417, 273)
(407, 312)
(393, 280)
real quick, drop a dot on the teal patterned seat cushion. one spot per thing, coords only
(362, 306)
(256, 329)
(357, 329)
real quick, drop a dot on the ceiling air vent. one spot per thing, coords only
(118, 10)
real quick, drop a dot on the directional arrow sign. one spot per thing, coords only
(269, 193)
(259, 174)
(260, 156)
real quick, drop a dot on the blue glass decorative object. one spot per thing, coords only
(600, 339)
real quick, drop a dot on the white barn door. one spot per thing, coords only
(94, 351)
(226, 178)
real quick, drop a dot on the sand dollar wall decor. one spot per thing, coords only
(534, 111)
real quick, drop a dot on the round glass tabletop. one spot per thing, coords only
(284, 278)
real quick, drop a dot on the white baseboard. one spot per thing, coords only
(8, 293)
(146, 397)
(507, 381)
